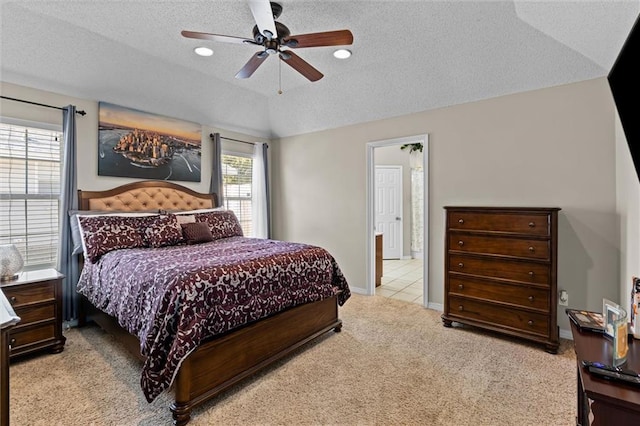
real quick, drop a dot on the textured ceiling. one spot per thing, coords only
(408, 56)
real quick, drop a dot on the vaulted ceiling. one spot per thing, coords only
(408, 56)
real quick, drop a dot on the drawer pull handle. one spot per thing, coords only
(12, 300)
(460, 243)
(460, 221)
(532, 224)
(460, 286)
(531, 273)
(461, 308)
(461, 265)
(530, 322)
(532, 249)
(531, 298)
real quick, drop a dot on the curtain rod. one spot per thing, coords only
(235, 140)
(39, 104)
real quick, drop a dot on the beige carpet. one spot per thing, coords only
(393, 364)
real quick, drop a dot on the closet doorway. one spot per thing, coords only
(406, 276)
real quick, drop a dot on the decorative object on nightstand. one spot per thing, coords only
(501, 269)
(36, 297)
(10, 262)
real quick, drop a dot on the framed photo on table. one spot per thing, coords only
(610, 313)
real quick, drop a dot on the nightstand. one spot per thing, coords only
(36, 297)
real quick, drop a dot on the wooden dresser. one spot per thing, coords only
(36, 297)
(500, 271)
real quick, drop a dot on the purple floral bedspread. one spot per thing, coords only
(175, 297)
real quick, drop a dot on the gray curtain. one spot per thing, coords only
(216, 169)
(68, 263)
(265, 157)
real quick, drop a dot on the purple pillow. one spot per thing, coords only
(102, 234)
(196, 232)
(222, 224)
(163, 231)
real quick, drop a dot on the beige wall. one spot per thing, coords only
(553, 147)
(87, 134)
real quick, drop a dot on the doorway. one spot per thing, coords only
(420, 201)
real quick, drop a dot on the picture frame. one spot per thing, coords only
(142, 145)
(610, 314)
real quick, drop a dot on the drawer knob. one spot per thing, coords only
(531, 273)
(530, 322)
(461, 265)
(460, 286)
(532, 249)
(531, 298)
(12, 342)
(460, 243)
(461, 308)
(460, 221)
(532, 224)
(12, 300)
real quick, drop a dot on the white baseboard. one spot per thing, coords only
(566, 334)
(358, 290)
(435, 306)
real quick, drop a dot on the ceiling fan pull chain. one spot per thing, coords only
(279, 76)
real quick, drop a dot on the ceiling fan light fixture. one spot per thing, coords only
(203, 51)
(342, 53)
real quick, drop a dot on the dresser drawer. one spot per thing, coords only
(517, 247)
(526, 272)
(32, 314)
(30, 293)
(31, 335)
(527, 322)
(527, 297)
(534, 224)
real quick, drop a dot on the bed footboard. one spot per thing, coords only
(215, 365)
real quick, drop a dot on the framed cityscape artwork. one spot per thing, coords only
(141, 145)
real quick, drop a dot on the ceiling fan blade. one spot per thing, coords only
(216, 37)
(300, 65)
(262, 13)
(253, 64)
(328, 38)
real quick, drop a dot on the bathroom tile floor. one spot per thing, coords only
(402, 280)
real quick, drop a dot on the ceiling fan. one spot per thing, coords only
(273, 36)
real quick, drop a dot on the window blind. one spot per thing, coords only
(237, 172)
(30, 158)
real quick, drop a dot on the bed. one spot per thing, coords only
(201, 316)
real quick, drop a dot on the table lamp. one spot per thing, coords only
(10, 262)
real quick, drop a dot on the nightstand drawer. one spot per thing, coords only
(32, 335)
(30, 293)
(33, 314)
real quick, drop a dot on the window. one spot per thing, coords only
(30, 158)
(237, 170)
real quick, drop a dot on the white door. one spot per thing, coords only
(388, 212)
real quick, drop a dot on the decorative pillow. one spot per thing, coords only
(222, 223)
(163, 231)
(102, 234)
(76, 238)
(196, 232)
(185, 218)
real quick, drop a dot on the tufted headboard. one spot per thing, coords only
(145, 196)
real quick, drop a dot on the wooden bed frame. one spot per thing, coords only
(215, 365)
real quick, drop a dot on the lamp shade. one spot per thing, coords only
(10, 262)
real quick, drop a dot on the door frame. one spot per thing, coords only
(401, 233)
(370, 223)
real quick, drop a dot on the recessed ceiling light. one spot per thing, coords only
(342, 53)
(203, 51)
